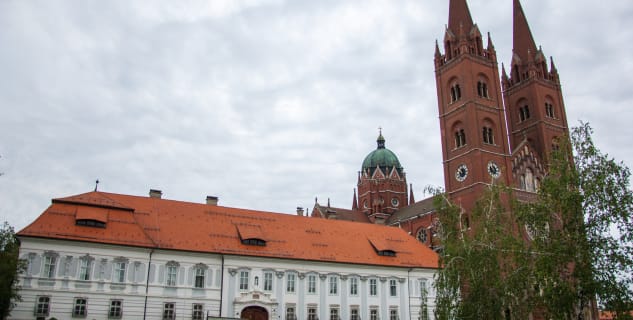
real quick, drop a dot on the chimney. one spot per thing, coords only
(154, 193)
(212, 201)
(300, 211)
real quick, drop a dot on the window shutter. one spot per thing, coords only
(217, 278)
(108, 270)
(190, 276)
(209, 274)
(37, 265)
(73, 267)
(181, 276)
(161, 274)
(152, 273)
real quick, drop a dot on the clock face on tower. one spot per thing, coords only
(493, 170)
(461, 173)
(395, 202)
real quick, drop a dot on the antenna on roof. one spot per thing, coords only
(96, 184)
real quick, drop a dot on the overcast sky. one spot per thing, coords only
(266, 104)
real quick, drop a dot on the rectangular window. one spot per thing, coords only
(43, 306)
(423, 290)
(243, 280)
(119, 272)
(169, 311)
(290, 313)
(79, 308)
(171, 275)
(199, 282)
(353, 286)
(49, 266)
(198, 311)
(393, 314)
(311, 283)
(84, 269)
(373, 313)
(353, 314)
(334, 314)
(333, 285)
(290, 282)
(312, 313)
(373, 287)
(116, 309)
(393, 288)
(268, 281)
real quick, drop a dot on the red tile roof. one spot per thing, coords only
(168, 224)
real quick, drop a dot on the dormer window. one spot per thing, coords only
(90, 223)
(254, 242)
(387, 253)
(383, 247)
(251, 235)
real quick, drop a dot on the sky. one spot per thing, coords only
(266, 104)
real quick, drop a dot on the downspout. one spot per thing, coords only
(221, 286)
(409, 289)
(149, 265)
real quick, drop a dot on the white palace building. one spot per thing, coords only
(111, 256)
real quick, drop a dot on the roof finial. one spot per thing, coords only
(381, 139)
(96, 185)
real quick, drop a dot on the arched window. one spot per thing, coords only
(549, 110)
(529, 180)
(460, 138)
(524, 113)
(488, 135)
(456, 92)
(482, 89)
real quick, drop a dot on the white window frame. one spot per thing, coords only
(393, 288)
(199, 278)
(119, 271)
(268, 281)
(49, 266)
(169, 311)
(42, 305)
(353, 286)
(80, 307)
(312, 287)
(373, 287)
(172, 275)
(244, 279)
(115, 311)
(333, 285)
(291, 282)
(85, 266)
(197, 311)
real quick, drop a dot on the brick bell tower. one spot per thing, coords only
(382, 184)
(472, 116)
(534, 100)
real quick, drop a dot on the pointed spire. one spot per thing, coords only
(523, 42)
(490, 45)
(553, 66)
(459, 16)
(437, 50)
(355, 201)
(411, 198)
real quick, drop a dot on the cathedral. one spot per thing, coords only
(495, 128)
(102, 255)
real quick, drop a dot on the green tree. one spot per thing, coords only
(553, 256)
(10, 267)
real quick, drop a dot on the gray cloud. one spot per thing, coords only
(266, 104)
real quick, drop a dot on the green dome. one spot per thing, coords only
(381, 157)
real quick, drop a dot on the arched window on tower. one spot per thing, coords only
(524, 113)
(460, 138)
(482, 89)
(549, 110)
(456, 92)
(529, 180)
(488, 135)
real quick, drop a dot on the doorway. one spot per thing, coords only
(254, 313)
